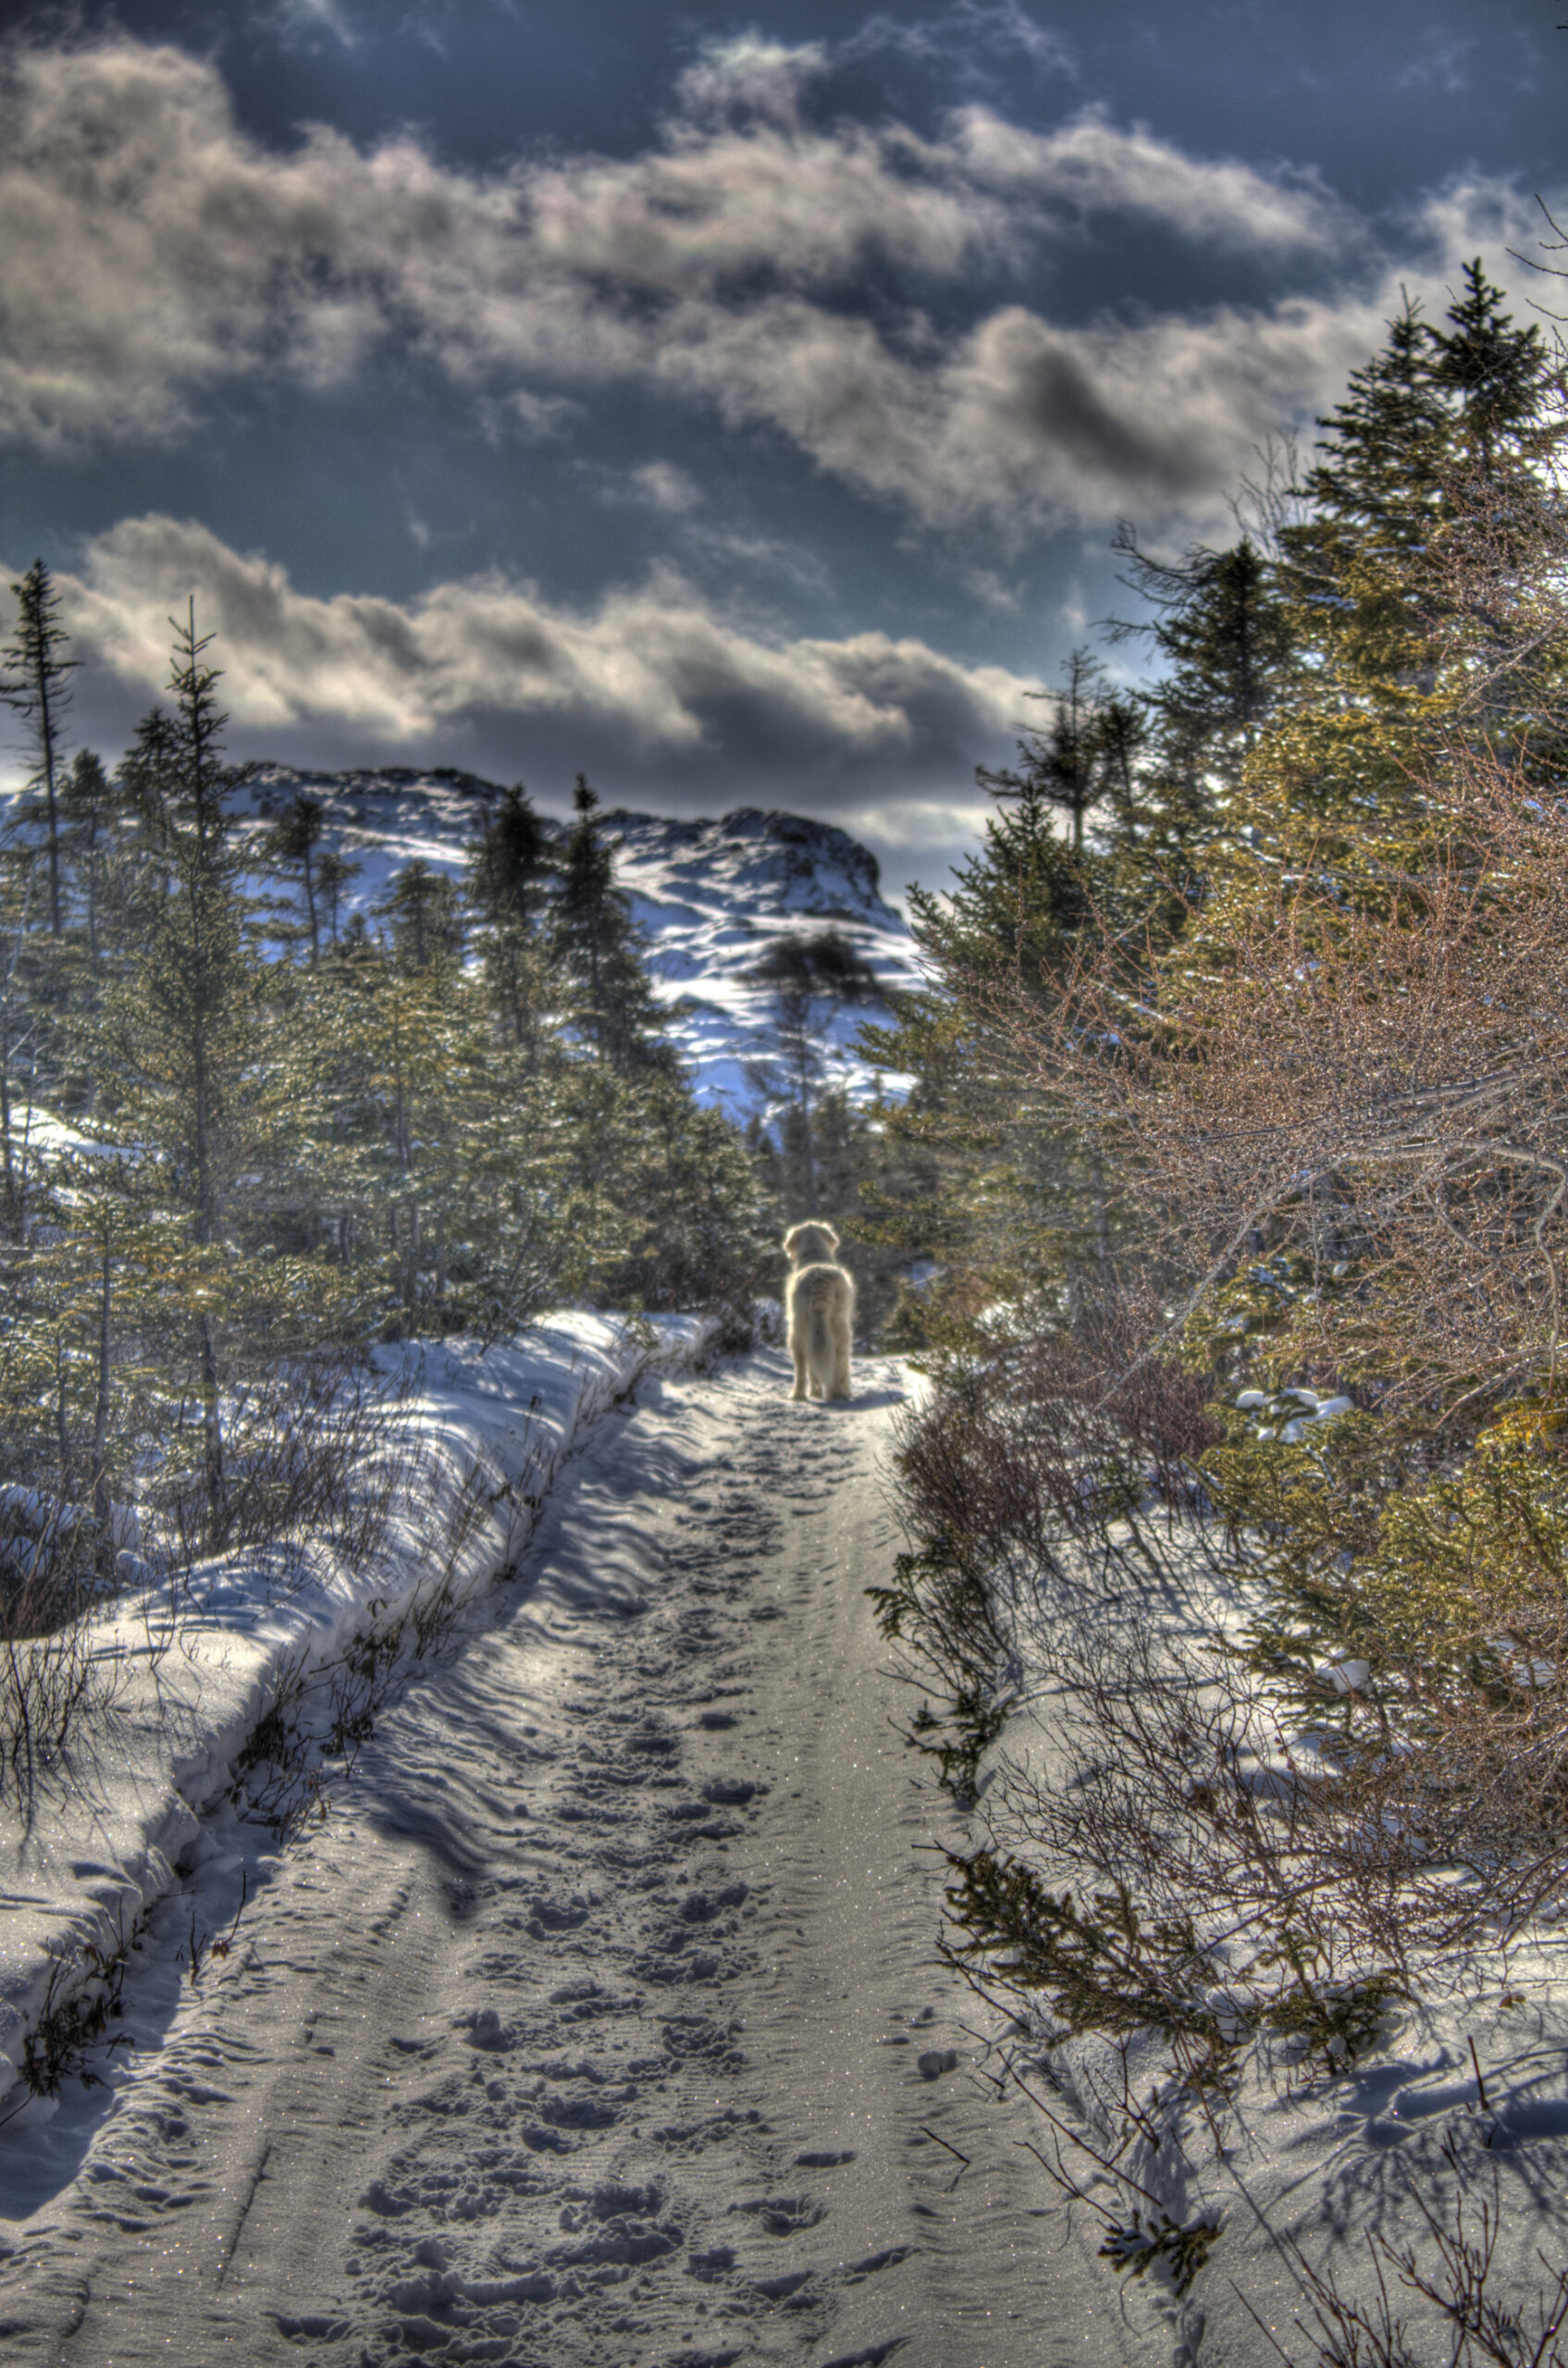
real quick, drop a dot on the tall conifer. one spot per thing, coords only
(34, 679)
(597, 943)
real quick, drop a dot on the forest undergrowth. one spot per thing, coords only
(1236, 1601)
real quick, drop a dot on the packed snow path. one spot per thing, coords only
(599, 2022)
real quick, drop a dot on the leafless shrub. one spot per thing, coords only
(1050, 1458)
(1267, 1886)
(1048, 1466)
(316, 1450)
(1359, 1061)
(49, 1559)
(1136, 2228)
(324, 1713)
(81, 1999)
(49, 1676)
(1476, 2325)
(735, 1324)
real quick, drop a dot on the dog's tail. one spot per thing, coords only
(823, 1353)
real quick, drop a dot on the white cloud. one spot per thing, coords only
(1090, 166)
(747, 73)
(1024, 424)
(151, 250)
(651, 666)
(661, 486)
(303, 22)
(966, 38)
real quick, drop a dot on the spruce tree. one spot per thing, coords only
(1502, 386)
(34, 679)
(91, 811)
(292, 843)
(1442, 434)
(1083, 755)
(333, 872)
(509, 865)
(810, 982)
(181, 1030)
(599, 949)
(423, 907)
(509, 873)
(1223, 633)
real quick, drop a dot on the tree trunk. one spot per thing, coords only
(1102, 1217)
(102, 1511)
(13, 1204)
(410, 1270)
(62, 1432)
(212, 1426)
(203, 1164)
(310, 911)
(46, 734)
(92, 897)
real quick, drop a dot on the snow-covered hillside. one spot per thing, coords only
(712, 895)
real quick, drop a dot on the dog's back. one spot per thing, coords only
(821, 1300)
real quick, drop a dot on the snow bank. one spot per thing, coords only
(98, 1836)
(1302, 2165)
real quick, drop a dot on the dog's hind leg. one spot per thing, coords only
(822, 1356)
(798, 1347)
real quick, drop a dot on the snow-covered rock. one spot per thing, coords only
(713, 897)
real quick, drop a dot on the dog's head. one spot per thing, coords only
(806, 1244)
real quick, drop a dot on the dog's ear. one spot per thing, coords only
(832, 1237)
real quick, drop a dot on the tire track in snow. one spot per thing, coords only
(601, 2024)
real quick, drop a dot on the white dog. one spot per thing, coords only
(820, 1298)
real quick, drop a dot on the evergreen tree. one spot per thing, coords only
(510, 872)
(509, 866)
(292, 843)
(182, 1026)
(34, 676)
(1502, 388)
(1224, 635)
(810, 982)
(91, 812)
(664, 1190)
(423, 906)
(333, 872)
(1017, 904)
(1012, 1197)
(1083, 756)
(598, 948)
(21, 1027)
(1447, 440)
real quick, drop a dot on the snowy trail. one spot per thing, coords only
(600, 2022)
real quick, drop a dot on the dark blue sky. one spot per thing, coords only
(737, 405)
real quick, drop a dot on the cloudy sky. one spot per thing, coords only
(735, 405)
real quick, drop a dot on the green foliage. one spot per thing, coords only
(34, 681)
(441, 1126)
(1100, 1966)
(1150, 2241)
(1293, 927)
(1447, 1577)
(1333, 2022)
(596, 945)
